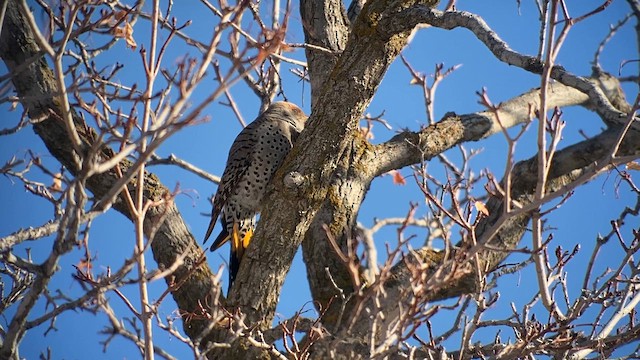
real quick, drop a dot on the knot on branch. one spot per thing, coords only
(293, 180)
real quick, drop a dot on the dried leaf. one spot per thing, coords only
(84, 266)
(57, 183)
(126, 32)
(398, 179)
(481, 207)
(367, 133)
(111, 19)
(633, 166)
(130, 40)
(120, 14)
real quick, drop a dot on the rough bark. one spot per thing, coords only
(325, 25)
(36, 88)
(409, 148)
(568, 166)
(332, 133)
(348, 187)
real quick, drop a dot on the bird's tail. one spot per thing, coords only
(222, 238)
(212, 223)
(240, 234)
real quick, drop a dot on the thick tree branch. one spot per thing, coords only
(435, 272)
(325, 178)
(325, 24)
(349, 188)
(567, 166)
(410, 148)
(332, 133)
(612, 112)
(37, 89)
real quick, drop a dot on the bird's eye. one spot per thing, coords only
(298, 113)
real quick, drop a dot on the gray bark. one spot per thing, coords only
(164, 225)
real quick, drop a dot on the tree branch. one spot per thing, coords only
(325, 25)
(164, 225)
(611, 114)
(568, 166)
(332, 133)
(409, 148)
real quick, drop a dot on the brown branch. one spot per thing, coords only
(410, 148)
(174, 160)
(37, 89)
(567, 166)
(326, 27)
(332, 132)
(611, 112)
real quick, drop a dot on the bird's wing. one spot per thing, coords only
(240, 157)
(222, 238)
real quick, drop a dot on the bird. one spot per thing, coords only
(255, 155)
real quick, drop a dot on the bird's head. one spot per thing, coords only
(288, 112)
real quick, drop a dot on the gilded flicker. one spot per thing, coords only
(255, 155)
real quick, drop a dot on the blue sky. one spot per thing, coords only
(112, 237)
